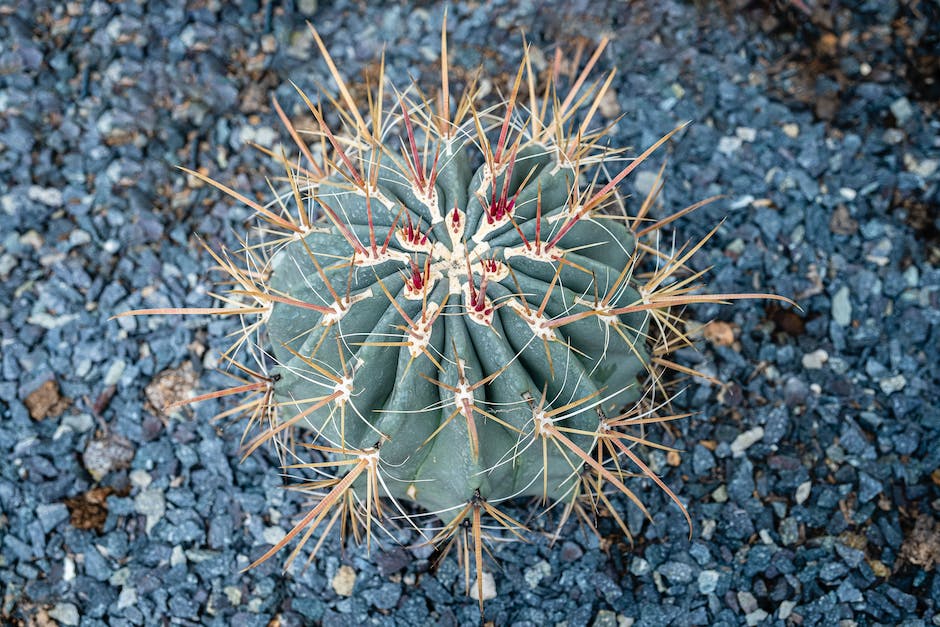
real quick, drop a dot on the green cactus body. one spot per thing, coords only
(444, 310)
(440, 326)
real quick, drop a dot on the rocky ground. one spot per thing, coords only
(812, 478)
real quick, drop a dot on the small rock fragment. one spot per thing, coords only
(127, 598)
(890, 385)
(273, 535)
(815, 360)
(90, 509)
(115, 370)
(152, 504)
(747, 601)
(842, 307)
(841, 222)
(791, 130)
(902, 110)
(106, 454)
(746, 133)
(605, 618)
(65, 614)
(707, 581)
(173, 385)
(344, 581)
(921, 546)
(729, 145)
(535, 573)
(489, 588)
(802, 492)
(719, 333)
(45, 401)
(745, 440)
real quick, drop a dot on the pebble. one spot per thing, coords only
(720, 494)
(815, 360)
(344, 581)
(489, 588)
(65, 613)
(140, 478)
(605, 618)
(708, 581)
(676, 572)
(745, 440)
(890, 385)
(536, 573)
(746, 133)
(869, 487)
(51, 514)
(639, 566)
(115, 370)
(273, 535)
(127, 597)
(729, 145)
(902, 110)
(802, 492)
(746, 601)
(921, 167)
(842, 307)
(106, 455)
(644, 182)
(152, 504)
(49, 196)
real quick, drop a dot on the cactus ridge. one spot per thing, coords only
(446, 307)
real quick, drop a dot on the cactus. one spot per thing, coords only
(447, 309)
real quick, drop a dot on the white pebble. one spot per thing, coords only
(65, 614)
(729, 145)
(489, 588)
(644, 182)
(745, 440)
(127, 598)
(140, 478)
(902, 110)
(720, 494)
(842, 307)
(114, 372)
(177, 556)
(746, 133)
(152, 504)
(815, 360)
(68, 569)
(890, 385)
(49, 196)
(273, 535)
(802, 492)
(707, 581)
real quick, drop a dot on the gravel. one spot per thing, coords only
(805, 477)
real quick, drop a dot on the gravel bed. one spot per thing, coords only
(812, 479)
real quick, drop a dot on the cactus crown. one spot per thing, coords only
(447, 308)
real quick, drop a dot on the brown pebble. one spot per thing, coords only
(45, 401)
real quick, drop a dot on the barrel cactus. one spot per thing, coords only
(448, 309)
